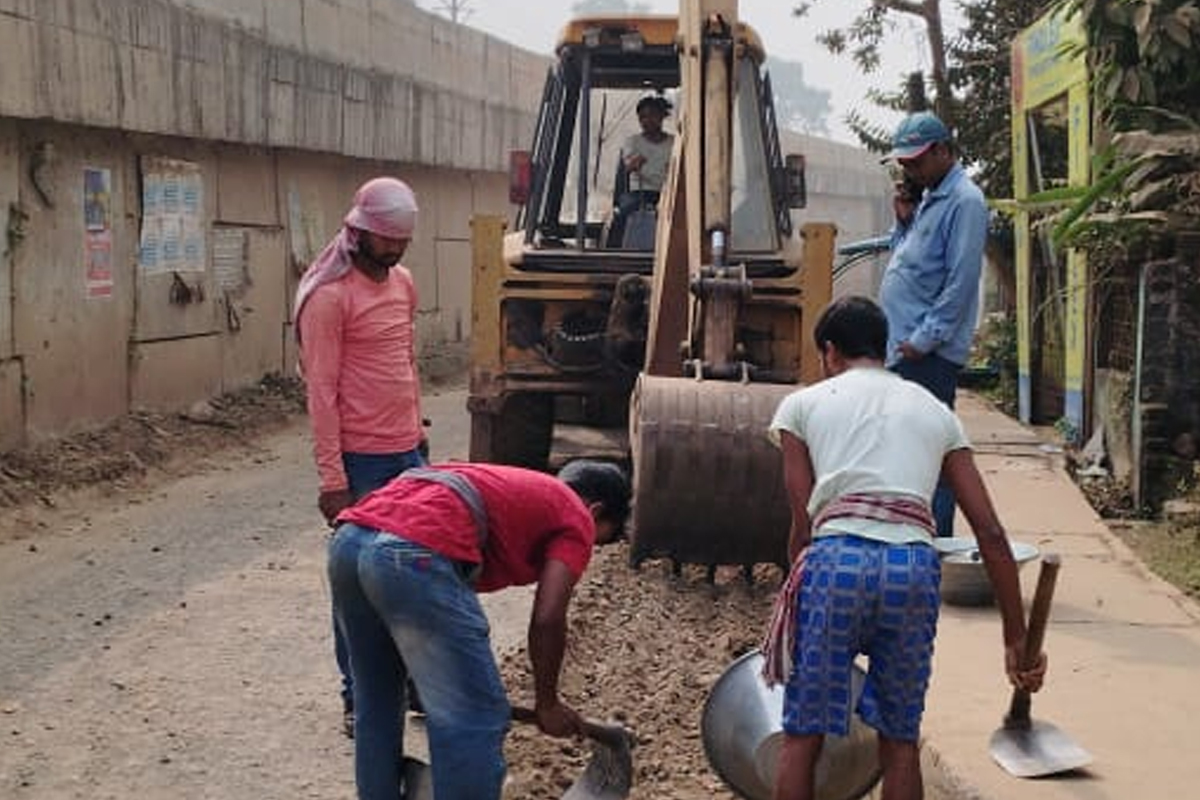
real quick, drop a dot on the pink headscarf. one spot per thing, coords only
(384, 206)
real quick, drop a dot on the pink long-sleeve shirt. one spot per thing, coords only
(358, 352)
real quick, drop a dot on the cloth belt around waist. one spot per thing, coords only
(472, 499)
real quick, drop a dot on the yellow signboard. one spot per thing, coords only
(1078, 164)
(1047, 58)
(1048, 62)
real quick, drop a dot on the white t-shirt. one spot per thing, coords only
(651, 176)
(869, 430)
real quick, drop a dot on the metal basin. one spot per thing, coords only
(964, 578)
(742, 732)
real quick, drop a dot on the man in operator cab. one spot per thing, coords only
(646, 156)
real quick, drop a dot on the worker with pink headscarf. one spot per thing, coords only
(354, 314)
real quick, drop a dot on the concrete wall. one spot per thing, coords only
(849, 187)
(12, 405)
(70, 360)
(376, 79)
(282, 107)
(73, 348)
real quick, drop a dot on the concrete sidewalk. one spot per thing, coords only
(1123, 647)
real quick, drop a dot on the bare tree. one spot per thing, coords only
(457, 10)
(585, 7)
(862, 39)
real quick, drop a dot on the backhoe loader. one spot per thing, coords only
(690, 336)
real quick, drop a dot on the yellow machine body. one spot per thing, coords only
(690, 339)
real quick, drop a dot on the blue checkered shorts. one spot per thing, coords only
(863, 596)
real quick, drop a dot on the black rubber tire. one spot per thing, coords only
(523, 430)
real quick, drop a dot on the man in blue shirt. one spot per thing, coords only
(930, 290)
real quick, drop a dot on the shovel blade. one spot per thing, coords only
(1036, 751)
(609, 773)
(607, 776)
(417, 778)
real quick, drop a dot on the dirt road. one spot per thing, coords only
(173, 642)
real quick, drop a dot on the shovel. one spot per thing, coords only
(609, 773)
(607, 776)
(1025, 747)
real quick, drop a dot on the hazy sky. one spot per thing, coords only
(534, 25)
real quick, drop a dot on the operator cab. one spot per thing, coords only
(571, 186)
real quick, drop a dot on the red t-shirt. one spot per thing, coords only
(532, 518)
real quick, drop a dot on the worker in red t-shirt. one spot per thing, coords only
(405, 566)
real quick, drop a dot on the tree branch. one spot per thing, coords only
(906, 6)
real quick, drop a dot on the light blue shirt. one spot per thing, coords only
(930, 290)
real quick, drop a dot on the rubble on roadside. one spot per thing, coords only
(118, 454)
(644, 649)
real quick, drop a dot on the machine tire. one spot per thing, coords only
(607, 410)
(521, 432)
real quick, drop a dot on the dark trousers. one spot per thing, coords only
(628, 203)
(940, 377)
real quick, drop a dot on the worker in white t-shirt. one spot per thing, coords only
(862, 452)
(646, 156)
(648, 152)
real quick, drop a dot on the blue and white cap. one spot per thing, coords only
(916, 134)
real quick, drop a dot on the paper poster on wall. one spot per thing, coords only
(98, 263)
(172, 235)
(97, 237)
(97, 199)
(229, 255)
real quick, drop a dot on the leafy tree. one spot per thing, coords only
(864, 35)
(980, 73)
(1145, 57)
(1145, 61)
(800, 107)
(971, 71)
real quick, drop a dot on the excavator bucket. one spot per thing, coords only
(707, 481)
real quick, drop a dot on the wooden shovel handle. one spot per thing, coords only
(1039, 614)
(612, 735)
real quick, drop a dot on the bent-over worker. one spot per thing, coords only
(405, 566)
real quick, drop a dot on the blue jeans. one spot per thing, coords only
(366, 472)
(940, 377)
(407, 612)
